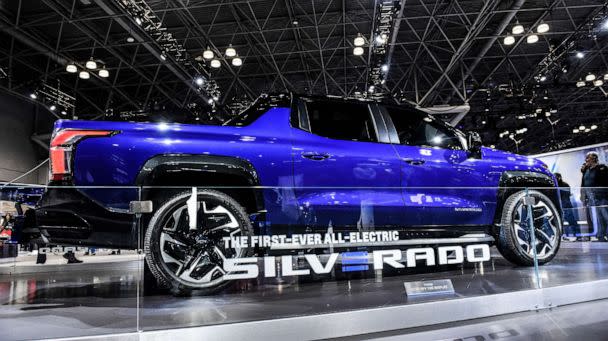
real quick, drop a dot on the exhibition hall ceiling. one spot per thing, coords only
(531, 71)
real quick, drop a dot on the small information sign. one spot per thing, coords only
(433, 287)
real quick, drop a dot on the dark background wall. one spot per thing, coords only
(19, 119)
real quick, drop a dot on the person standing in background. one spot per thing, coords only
(565, 194)
(595, 192)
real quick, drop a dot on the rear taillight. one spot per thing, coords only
(62, 145)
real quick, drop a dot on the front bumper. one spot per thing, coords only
(66, 216)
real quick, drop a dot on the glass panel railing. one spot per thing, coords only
(77, 272)
(233, 254)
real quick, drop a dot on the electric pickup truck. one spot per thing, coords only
(290, 164)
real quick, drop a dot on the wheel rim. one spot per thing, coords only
(546, 228)
(194, 256)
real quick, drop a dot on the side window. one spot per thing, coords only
(341, 121)
(416, 129)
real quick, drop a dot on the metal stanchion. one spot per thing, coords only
(529, 201)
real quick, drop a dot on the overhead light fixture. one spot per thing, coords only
(509, 40)
(606, 76)
(237, 61)
(215, 98)
(532, 38)
(517, 29)
(215, 63)
(91, 64)
(543, 78)
(130, 40)
(208, 54)
(598, 82)
(295, 22)
(381, 38)
(71, 68)
(590, 77)
(547, 114)
(384, 67)
(199, 81)
(33, 96)
(580, 55)
(84, 75)
(553, 111)
(103, 73)
(138, 21)
(575, 130)
(230, 51)
(210, 101)
(359, 40)
(581, 127)
(163, 56)
(358, 51)
(593, 127)
(580, 83)
(587, 130)
(543, 28)
(63, 112)
(371, 88)
(52, 107)
(539, 110)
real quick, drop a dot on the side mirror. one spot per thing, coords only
(474, 144)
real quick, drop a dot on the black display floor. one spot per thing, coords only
(57, 300)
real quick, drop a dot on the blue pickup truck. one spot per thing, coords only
(289, 164)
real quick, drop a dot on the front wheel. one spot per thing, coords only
(185, 257)
(515, 239)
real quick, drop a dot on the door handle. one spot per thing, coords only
(415, 162)
(315, 156)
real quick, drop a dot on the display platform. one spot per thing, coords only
(106, 296)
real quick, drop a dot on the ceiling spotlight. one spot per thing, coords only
(91, 64)
(580, 83)
(163, 56)
(381, 38)
(208, 54)
(358, 51)
(359, 40)
(606, 76)
(509, 40)
(84, 75)
(542, 28)
(215, 63)
(539, 110)
(210, 101)
(543, 78)
(587, 130)
(532, 38)
(575, 130)
(199, 81)
(33, 96)
(130, 40)
(371, 88)
(581, 127)
(230, 51)
(492, 146)
(593, 127)
(63, 112)
(553, 111)
(518, 29)
(71, 68)
(384, 67)
(590, 77)
(237, 61)
(215, 98)
(547, 114)
(52, 107)
(295, 22)
(598, 82)
(103, 73)
(138, 21)
(580, 55)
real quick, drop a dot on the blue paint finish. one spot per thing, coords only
(354, 261)
(357, 184)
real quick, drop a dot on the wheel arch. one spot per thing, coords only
(514, 181)
(223, 173)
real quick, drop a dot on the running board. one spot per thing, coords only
(466, 239)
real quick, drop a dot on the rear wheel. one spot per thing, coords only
(514, 238)
(185, 257)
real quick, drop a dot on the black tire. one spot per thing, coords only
(511, 239)
(200, 244)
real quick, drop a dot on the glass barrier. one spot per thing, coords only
(584, 246)
(169, 257)
(69, 268)
(267, 253)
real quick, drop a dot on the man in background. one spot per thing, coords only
(564, 191)
(595, 192)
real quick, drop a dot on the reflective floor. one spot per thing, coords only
(102, 296)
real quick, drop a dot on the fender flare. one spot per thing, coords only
(232, 166)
